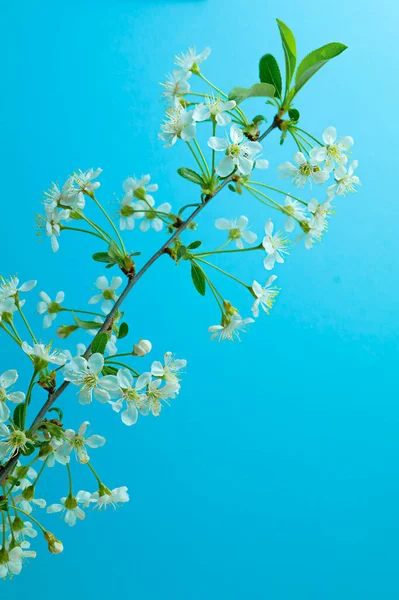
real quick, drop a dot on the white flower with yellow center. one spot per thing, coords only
(320, 213)
(86, 375)
(11, 559)
(84, 180)
(179, 124)
(12, 441)
(70, 506)
(176, 85)
(41, 355)
(170, 369)
(295, 212)
(303, 170)
(77, 442)
(346, 181)
(54, 218)
(214, 109)
(49, 308)
(265, 296)
(334, 153)
(6, 381)
(106, 497)
(130, 393)
(107, 296)
(10, 288)
(230, 328)
(237, 230)
(240, 154)
(151, 216)
(156, 395)
(189, 61)
(67, 197)
(275, 246)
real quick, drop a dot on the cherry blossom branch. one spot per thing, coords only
(6, 469)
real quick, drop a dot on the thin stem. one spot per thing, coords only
(309, 135)
(205, 262)
(278, 191)
(7, 468)
(201, 254)
(196, 158)
(202, 156)
(212, 85)
(114, 362)
(215, 293)
(69, 479)
(96, 227)
(213, 151)
(27, 325)
(85, 312)
(118, 355)
(10, 334)
(40, 471)
(94, 473)
(66, 228)
(3, 520)
(110, 221)
(252, 189)
(30, 518)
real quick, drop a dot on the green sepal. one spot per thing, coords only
(123, 330)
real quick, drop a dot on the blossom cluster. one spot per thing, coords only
(98, 370)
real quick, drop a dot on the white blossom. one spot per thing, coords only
(345, 180)
(49, 308)
(170, 369)
(265, 296)
(105, 497)
(237, 230)
(84, 180)
(7, 307)
(67, 197)
(320, 213)
(189, 61)
(158, 393)
(275, 246)
(11, 559)
(214, 109)
(150, 215)
(86, 375)
(303, 170)
(142, 348)
(12, 440)
(295, 211)
(238, 153)
(41, 354)
(131, 394)
(334, 153)
(7, 379)
(53, 219)
(176, 85)
(10, 288)
(70, 506)
(77, 442)
(230, 328)
(107, 296)
(179, 123)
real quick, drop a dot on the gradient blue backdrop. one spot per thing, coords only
(275, 474)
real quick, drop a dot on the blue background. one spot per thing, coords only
(275, 473)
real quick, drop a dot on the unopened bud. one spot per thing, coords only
(54, 545)
(142, 348)
(229, 308)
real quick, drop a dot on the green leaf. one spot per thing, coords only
(198, 277)
(108, 370)
(194, 245)
(123, 330)
(99, 343)
(293, 114)
(18, 415)
(314, 61)
(231, 187)
(191, 176)
(181, 251)
(86, 324)
(58, 411)
(289, 45)
(258, 90)
(269, 72)
(259, 119)
(101, 257)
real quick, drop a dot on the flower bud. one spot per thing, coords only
(55, 546)
(29, 492)
(142, 348)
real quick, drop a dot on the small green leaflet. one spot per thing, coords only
(293, 114)
(99, 343)
(86, 324)
(194, 245)
(314, 61)
(191, 176)
(289, 46)
(123, 330)
(58, 411)
(269, 72)
(101, 257)
(181, 251)
(198, 277)
(239, 94)
(18, 415)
